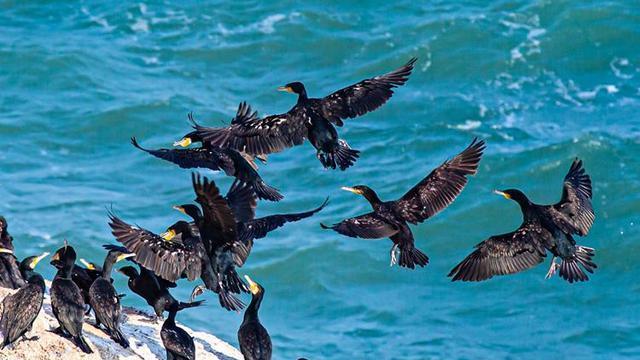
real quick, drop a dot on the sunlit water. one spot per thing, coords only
(541, 81)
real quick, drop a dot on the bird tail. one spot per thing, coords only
(570, 269)
(410, 257)
(341, 156)
(119, 337)
(266, 192)
(82, 344)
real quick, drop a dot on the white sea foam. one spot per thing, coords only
(265, 26)
(97, 19)
(468, 125)
(140, 25)
(622, 68)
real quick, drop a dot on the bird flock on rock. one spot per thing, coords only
(216, 233)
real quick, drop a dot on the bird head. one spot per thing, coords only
(513, 194)
(30, 262)
(294, 87)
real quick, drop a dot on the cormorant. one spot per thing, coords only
(66, 299)
(105, 301)
(431, 195)
(177, 342)
(231, 161)
(20, 309)
(255, 342)
(178, 252)
(84, 278)
(310, 118)
(9, 268)
(544, 228)
(152, 288)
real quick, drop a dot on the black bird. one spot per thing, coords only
(178, 252)
(310, 118)
(105, 301)
(431, 195)
(20, 309)
(544, 228)
(9, 268)
(66, 299)
(255, 342)
(154, 289)
(232, 162)
(177, 342)
(84, 278)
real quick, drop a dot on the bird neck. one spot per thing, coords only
(66, 271)
(171, 319)
(251, 314)
(36, 279)
(372, 198)
(302, 96)
(109, 261)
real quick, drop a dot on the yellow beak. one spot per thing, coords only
(5, 251)
(87, 264)
(37, 260)
(502, 193)
(285, 88)
(350, 189)
(253, 286)
(180, 208)
(184, 142)
(168, 235)
(124, 256)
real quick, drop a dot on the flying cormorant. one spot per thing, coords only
(310, 118)
(20, 309)
(431, 195)
(544, 228)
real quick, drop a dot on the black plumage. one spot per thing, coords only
(310, 118)
(105, 301)
(177, 342)
(20, 309)
(232, 162)
(431, 195)
(84, 278)
(544, 228)
(254, 340)
(153, 289)
(9, 268)
(205, 250)
(66, 299)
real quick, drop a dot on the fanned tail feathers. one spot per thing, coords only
(570, 269)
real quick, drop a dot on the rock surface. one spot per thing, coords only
(142, 332)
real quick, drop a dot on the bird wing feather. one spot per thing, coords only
(574, 213)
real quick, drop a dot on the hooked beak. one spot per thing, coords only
(38, 259)
(502, 193)
(179, 208)
(285, 88)
(186, 141)
(87, 264)
(350, 189)
(253, 286)
(168, 235)
(5, 251)
(124, 256)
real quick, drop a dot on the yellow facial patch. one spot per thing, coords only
(124, 256)
(35, 261)
(180, 208)
(506, 196)
(253, 286)
(168, 235)
(285, 88)
(186, 141)
(350, 189)
(5, 251)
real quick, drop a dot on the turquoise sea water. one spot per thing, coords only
(541, 81)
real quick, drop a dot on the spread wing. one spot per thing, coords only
(256, 136)
(217, 214)
(168, 259)
(187, 158)
(242, 200)
(441, 187)
(367, 226)
(259, 228)
(574, 213)
(502, 254)
(365, 96)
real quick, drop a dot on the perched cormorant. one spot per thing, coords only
(66, 299)
(153, 289)
(310, 118)
(431, 195)
(179, 252)
(84, 278)
(255, 342)
(177, 342)
(544, 228)
(20, 309)
(105, 301)
(232, 162)
(9, 268)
